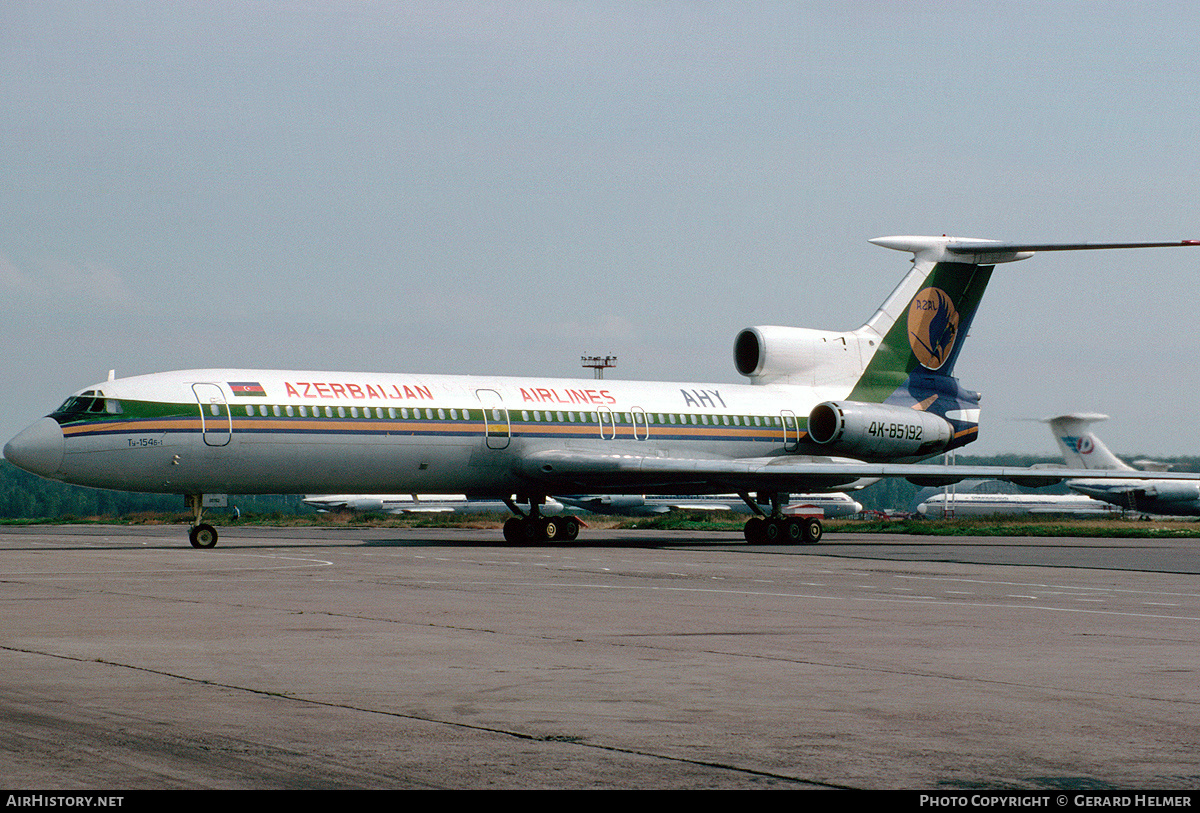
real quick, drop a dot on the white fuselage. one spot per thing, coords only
(254, 431)
(961, 505)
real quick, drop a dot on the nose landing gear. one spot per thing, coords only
(201, 534)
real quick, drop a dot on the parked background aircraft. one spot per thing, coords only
(968, 504)
(824, 411)
(835, 504)
(414, 503)
(1083, 450)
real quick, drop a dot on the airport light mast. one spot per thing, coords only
(598, 363)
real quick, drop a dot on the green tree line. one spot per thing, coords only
(27, 496)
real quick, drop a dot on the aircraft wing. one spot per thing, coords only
(565, 471)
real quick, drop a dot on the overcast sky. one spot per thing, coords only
(504, 187)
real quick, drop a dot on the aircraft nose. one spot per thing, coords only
(39, 449)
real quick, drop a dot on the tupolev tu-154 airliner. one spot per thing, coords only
(1083, 449)
(823, 411)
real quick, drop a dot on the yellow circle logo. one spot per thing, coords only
(932, 327)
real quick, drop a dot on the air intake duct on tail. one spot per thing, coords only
(877, 431)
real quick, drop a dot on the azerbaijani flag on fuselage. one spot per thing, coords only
(250, 388)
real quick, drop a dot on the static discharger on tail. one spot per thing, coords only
(823, 412)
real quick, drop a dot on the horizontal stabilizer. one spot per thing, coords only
(989, 252)
(1004, 248)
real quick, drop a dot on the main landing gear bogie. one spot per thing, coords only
(534, 528)
(783, 530)
(537, 530)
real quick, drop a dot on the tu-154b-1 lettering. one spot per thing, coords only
(823, 411)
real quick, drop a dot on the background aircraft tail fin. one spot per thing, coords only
(1079, 445)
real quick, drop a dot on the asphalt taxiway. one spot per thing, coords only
(315, 658)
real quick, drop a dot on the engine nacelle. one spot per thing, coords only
(877, 431)
(1174, 492)
(799, 355)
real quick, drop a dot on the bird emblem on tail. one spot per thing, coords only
(932, 327)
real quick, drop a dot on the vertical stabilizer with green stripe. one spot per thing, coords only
(921, 341)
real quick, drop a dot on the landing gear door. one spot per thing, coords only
(497, 429)
(216, 423)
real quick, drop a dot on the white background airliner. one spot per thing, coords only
(641, 505)
(1083, 450)
(629, 505)
(824, 411)
(413, 503)
(984, 505)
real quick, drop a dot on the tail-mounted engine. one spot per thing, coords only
(1173, 492)
(797, 355)
(877, 431)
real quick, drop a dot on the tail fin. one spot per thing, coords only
(1080, 447)
(922, 324)
(906, 352)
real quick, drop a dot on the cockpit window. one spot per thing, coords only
(89, 402)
